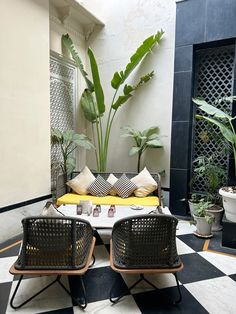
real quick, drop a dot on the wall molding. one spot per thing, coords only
(25, 203)
(68, 27)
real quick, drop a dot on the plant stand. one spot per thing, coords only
(228, 233)
(229, 203)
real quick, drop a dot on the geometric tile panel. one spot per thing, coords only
(213, 79)
(62, 104)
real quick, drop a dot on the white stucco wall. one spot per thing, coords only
(127, 24)
(24, 101)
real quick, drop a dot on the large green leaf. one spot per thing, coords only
(136, 58)
(128, 89)
(128, 129)
(56, 136)
(134, 150)
(211, 110)
(68, 44)
(70, 164)
(153, 136)
(154, 143)
(120, 101)
(68, 136)
(226, 132)
(88, 106)
(97, 84)
(151, 131)
(144, 79)
(83, 141)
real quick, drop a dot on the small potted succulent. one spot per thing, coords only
(204, 219)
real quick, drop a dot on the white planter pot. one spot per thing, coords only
(192, 208)
(216, 225)
(203, 228)
(229, 203)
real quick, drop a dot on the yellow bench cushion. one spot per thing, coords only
(72, 198)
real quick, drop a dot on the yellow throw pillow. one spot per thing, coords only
(145, 183)
(112, 180)
(82, 181)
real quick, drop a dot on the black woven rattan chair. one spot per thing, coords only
(54, 246)
(145, 245)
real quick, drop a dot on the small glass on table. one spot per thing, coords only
(96, 212)
(111, 212)
(79, 209)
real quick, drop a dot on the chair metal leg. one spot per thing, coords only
(115, 300)
(32, 297)
(143, 278)
(178, 288)
(76, 300)
(81, 305)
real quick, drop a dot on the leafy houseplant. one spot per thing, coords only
(68, 141)
(225, 124)
(193, 200)
(143, 139)
(221, 119)
(214, 176)
(203, 218)
(93, 100)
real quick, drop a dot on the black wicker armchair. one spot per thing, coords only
(54, 246)
(145, 245)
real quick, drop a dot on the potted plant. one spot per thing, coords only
(225, 124)
(213, 175)
(93, 102)
(193, 201)
(203, 219)
(68, 141)
(148, 138)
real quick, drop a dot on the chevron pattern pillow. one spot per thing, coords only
(124, 187)
(99, 187)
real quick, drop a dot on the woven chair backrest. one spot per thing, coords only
(147, 241)
(54, 243)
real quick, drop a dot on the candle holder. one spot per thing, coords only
(95, 212)
(79, 209)
(110, 212)
(113, 207)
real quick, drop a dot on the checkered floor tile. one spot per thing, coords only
(207, 282)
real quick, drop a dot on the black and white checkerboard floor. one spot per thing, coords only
(208, 282)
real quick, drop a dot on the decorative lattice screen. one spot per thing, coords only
(62, 104)
(213, 79)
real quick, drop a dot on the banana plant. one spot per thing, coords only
(219, 118)
(148, 138)
(68, 141)
(93, 100)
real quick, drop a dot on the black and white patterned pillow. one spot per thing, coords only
(99, 187)
(124, 187)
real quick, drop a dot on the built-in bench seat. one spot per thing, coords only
(66, 196)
